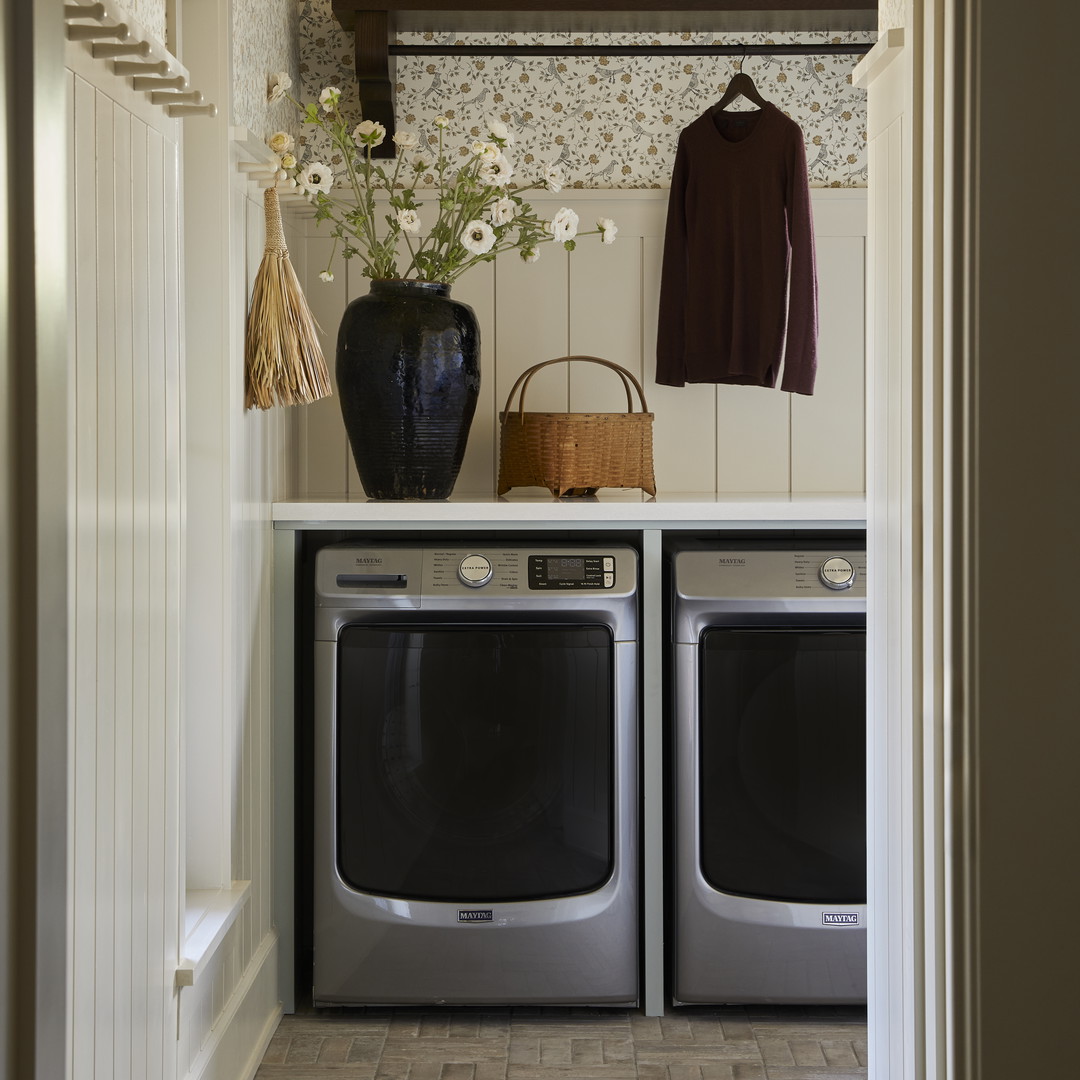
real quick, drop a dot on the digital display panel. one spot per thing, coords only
(561, 569)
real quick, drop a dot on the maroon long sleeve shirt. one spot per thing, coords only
(738, 288)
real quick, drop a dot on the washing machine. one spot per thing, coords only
(476, 774)
(769, 748)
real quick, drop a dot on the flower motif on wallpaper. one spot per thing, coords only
(603, 121)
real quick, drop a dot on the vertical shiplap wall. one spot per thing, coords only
(137, 447)
(602, 301)
(127, 511)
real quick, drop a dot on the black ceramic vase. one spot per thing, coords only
(408, 376)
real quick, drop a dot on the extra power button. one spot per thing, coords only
(474, 571)
(837, 573)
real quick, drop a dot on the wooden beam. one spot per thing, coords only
(618, 16)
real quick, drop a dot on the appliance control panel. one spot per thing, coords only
(812, 573)
(567, 572)
(539, 572)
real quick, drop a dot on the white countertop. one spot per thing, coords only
(540, 509)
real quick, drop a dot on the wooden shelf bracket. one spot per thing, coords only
(374, 72)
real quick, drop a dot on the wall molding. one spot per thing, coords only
(244, 1028)
(602, 300)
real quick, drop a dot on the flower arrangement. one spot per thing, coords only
(479, 212)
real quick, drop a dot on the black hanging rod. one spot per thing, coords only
(820, 49)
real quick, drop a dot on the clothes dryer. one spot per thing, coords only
(476, 764)
(769, 774)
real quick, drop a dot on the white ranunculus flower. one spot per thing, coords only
(406, 140)
(327, 276)
(369, 132)
(478, 237)
(316, 177)
(530, 255)
(408, 221)
(329, 98)
(486, 151)
(564, 225)
(608, 229)
(276, 86)
(288, 161)
(420, 162)
(441, 121)
(553, 178)
(280, 142)
(496, 173)
(502, 211)
(498, 130)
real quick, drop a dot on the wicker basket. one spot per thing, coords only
(576, 453)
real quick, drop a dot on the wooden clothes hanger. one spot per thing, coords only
(741, 85)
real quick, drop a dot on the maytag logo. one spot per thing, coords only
(475, 915)
(732, 562)
(840, 918)
(368, 560)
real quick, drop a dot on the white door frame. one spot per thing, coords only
(974, 496)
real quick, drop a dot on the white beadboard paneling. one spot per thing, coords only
(106, 577)
(602, 300)
(537, 295)
(84, 651)
(827, 452)
(753, 439)
(684, 428)
(175, 447)
(142, 623)
(602, 322)
(327, 461)
(477, 289)
(127, 518)
(129, 458)
(161, 934)
(124, 450)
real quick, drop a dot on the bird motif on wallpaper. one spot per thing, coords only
(824, 159)
(563, 159)
(520, 122)
(810, 67)
(692, 87)
(479, 99)
(610, 73)
(838, 109)
(583, 106)
(604, 173)
(552, 70)
(435, 86)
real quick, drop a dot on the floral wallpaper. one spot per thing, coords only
(150, 14)
(891, 14)
(610, 122)
(265, 40)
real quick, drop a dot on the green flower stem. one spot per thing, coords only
(337, 135)
(440, 167)
(439, 254)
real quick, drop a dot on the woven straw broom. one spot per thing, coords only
(283, 361)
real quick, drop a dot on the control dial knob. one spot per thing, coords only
(837, 573)
(474, 571)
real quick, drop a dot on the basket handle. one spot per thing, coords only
(526, 376)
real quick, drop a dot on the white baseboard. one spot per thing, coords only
(242, 1032)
